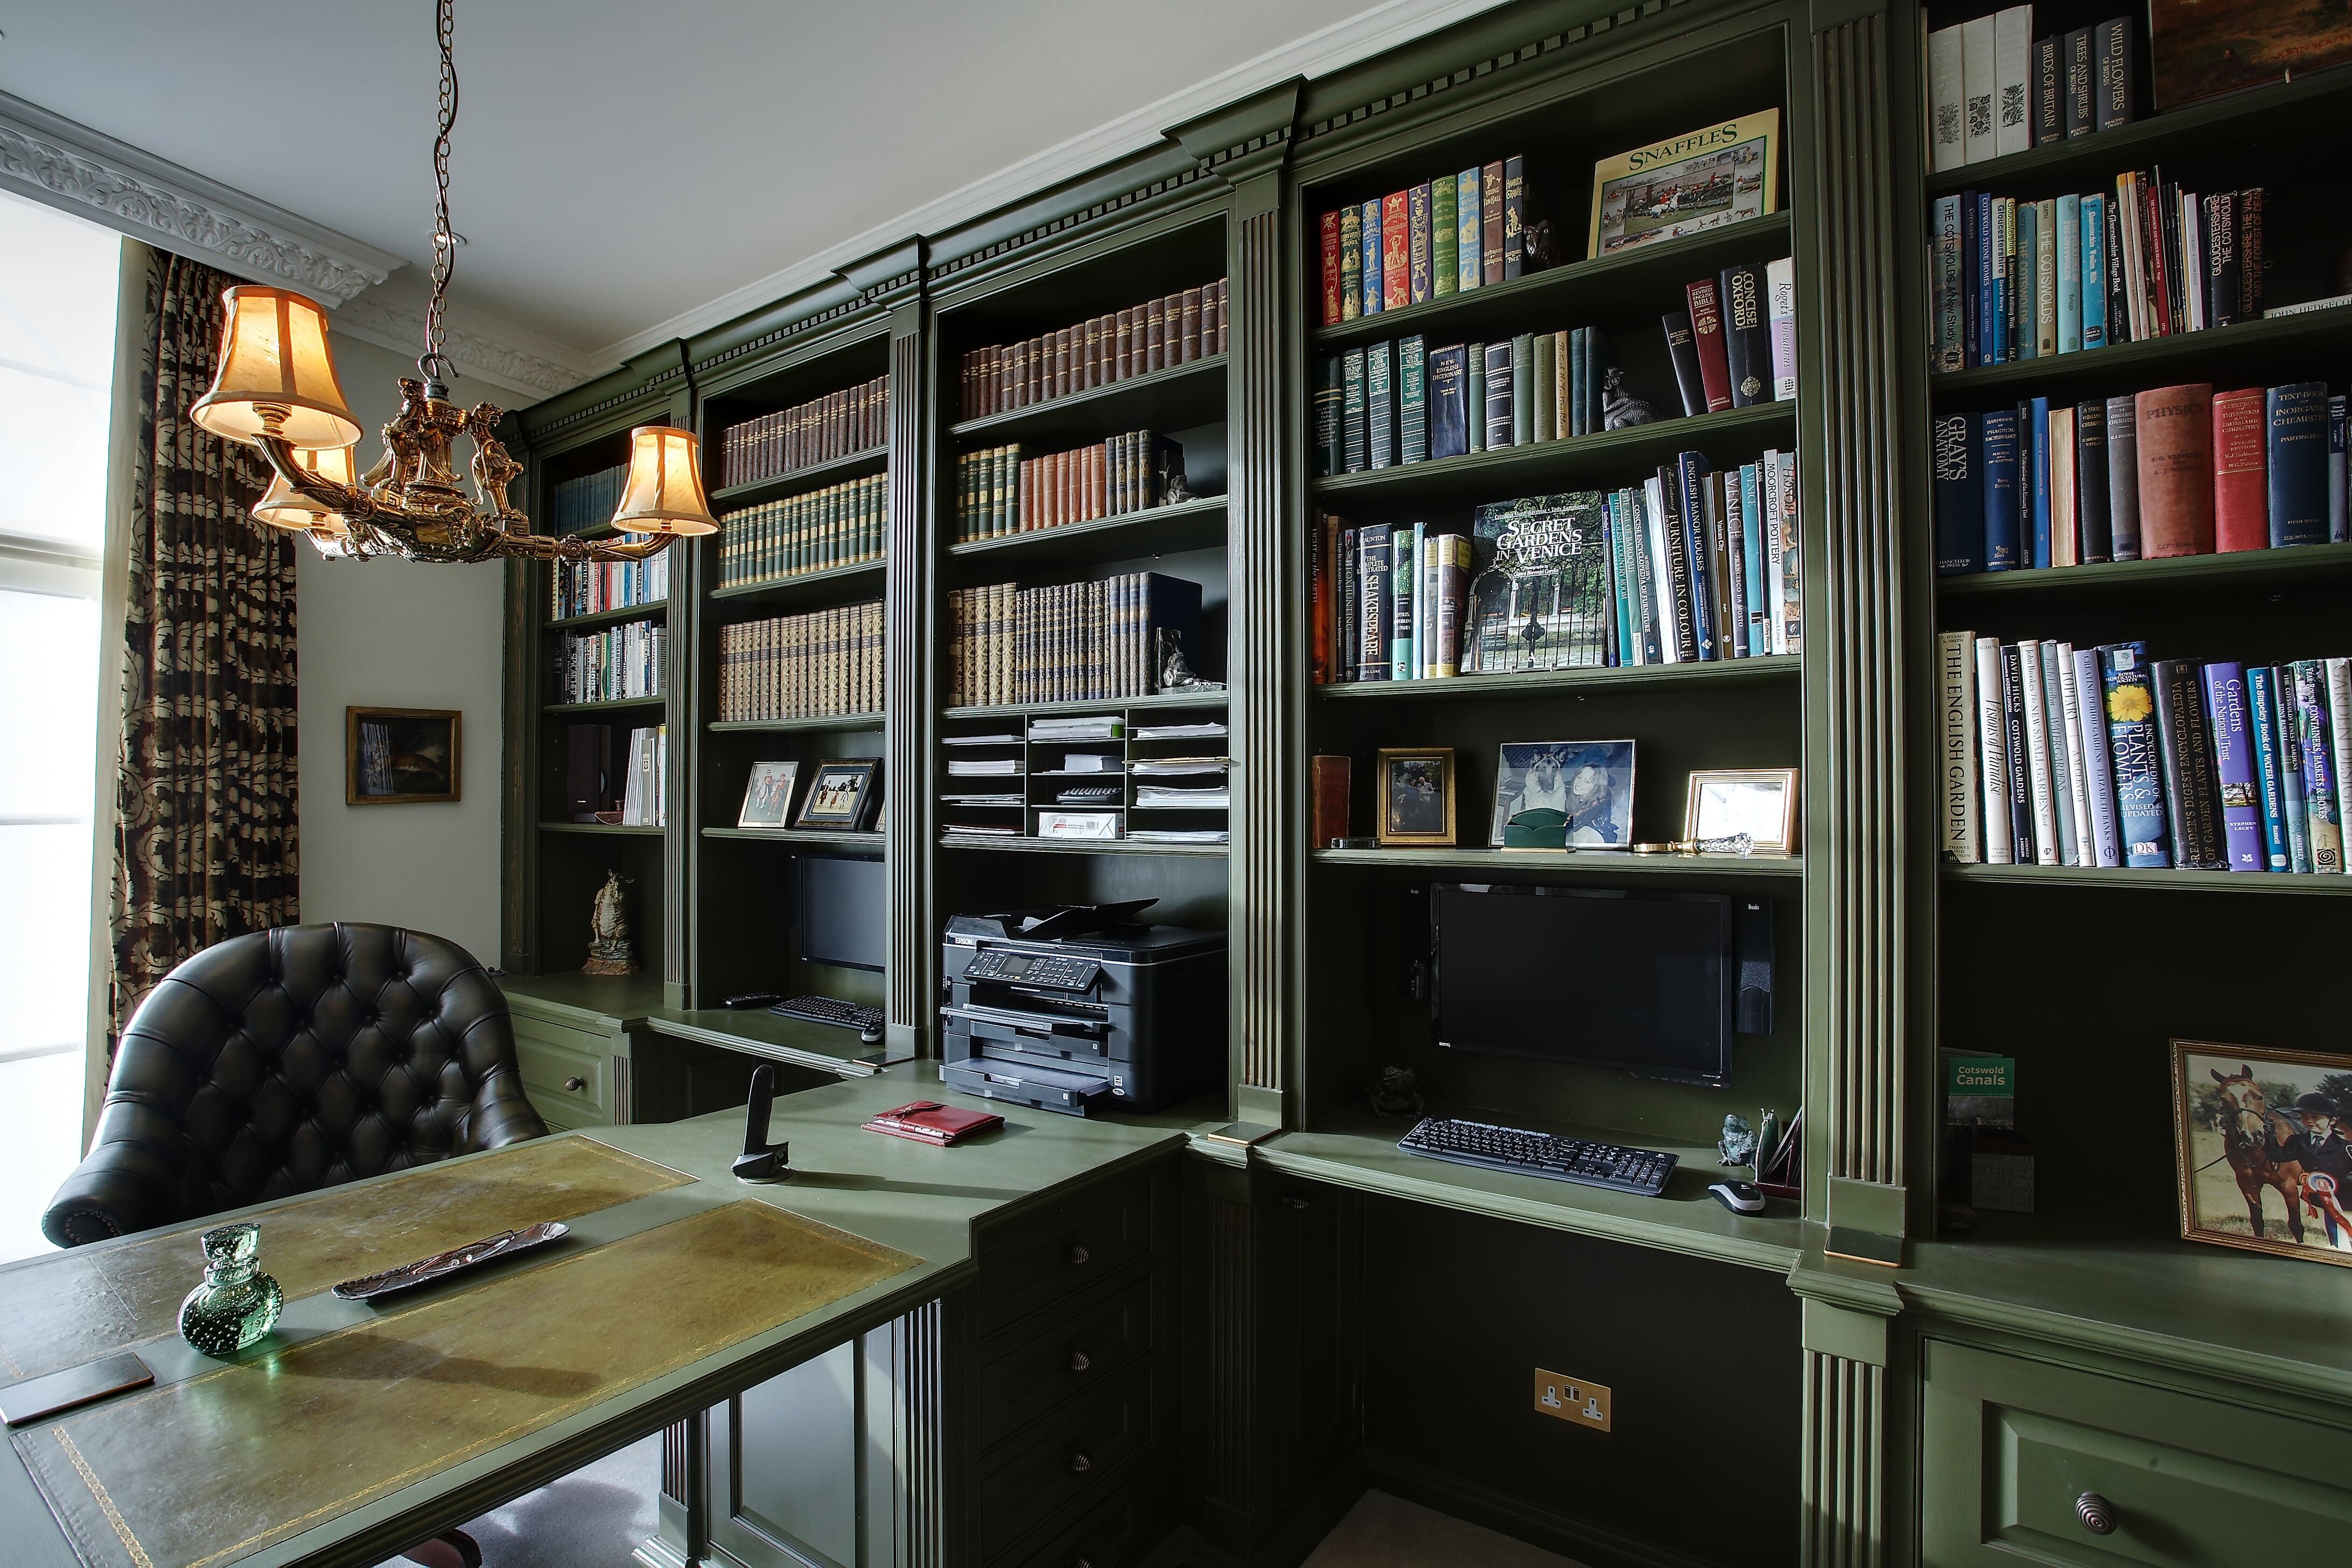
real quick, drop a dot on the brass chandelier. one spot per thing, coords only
(275, 388)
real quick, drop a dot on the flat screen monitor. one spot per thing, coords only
(842, 912)
(1642, 983)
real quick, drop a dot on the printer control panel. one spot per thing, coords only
(1050, 971)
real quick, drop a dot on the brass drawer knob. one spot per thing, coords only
(2098, 1514)
(1079, 1463)
(1078, 1254)
(1081, 1562)
(576, 1085)
(1079, 1361)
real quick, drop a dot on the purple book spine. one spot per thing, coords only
(2233, 762)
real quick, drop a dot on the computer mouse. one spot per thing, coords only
(869, 1036)
(1739, 1197)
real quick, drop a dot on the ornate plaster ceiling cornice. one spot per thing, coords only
(392, 316)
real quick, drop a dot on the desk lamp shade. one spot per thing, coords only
(277, 376)
(664, 494)
(286, 507)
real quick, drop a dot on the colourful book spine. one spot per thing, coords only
(2229, 714)
(1469, 224)
(1403, 579)
(2098, 772)
(1999, 465)
(2068, 244)
(2322, 817)
(2297, 463)
(2298, 825)
(2270, 771)
(1375, 290)
(2129, 702)
(1351, 264)
(1396, 250)
(1330, 236)
(2035, 438)
(1421, 243)
(2091, 245)
(1751, 551)
(1412, 400)
(1444, 236)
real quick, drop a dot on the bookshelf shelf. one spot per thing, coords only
(2310, 111)
(612, 828)
(1189, 394)
(2273, 346)
(800, 838)
(618, 705)
(777, 590)
(1602, 286)
(855, 466)
(1613, 454)
(1601, 864)
(1622, 677)
(1024, 844)
(1100, 705)
(2253, 569)
(653, 609)
(2151, 879)
(795, 726)
(1159, 531)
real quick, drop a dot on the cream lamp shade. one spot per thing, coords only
(286, 507)
(277, 376)
(664, 494)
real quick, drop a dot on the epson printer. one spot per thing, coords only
(1078, 1008)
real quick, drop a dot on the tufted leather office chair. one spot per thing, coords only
(289, 1060)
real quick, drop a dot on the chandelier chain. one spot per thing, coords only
(433, 364)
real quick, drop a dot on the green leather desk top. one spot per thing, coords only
(353, 1430)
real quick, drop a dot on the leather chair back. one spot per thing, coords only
(292, 1059)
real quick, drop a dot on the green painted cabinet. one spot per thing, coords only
(2021, 1458)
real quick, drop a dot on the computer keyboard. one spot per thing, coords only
(1580, 1160)
(826, 1010)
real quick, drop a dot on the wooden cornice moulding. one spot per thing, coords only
(880, 278)
(1247, 138)
(821, 306)
(656, 374)
(1152, 178)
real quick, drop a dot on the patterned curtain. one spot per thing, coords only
(204, 829)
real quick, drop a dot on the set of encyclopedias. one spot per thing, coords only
(1394, 404)
(838, 425)
(2176, 471)
(2024, 279)
(1159, 334)
(1077, 641)
(613, 664)
(587, 501)
(1000, 491)
(591, 587)
(1455, 232)
(840, 525)
(823, 664)
(2055, 755)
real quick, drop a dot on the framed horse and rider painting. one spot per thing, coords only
(2265, 1162)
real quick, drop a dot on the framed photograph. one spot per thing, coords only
(1416, 786)
(843, 795)
(768, 797)
(399, 756)
(1589, 783)
(2200, 47)
(1759, 802)
(1716, 175)
(2264, 1161)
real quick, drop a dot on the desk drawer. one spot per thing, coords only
(1065, 1463)
(1092, 1345)
(2014, 1446)
(1117, 1530)
(1037, 1258)
(568, 1073)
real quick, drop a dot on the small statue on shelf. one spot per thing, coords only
(1538, 249)
(1396, 1092)
(1738, 1145)
(1620, 409)
(1174, 674)
(610, 951)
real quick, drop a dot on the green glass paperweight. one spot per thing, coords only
(237, 1303)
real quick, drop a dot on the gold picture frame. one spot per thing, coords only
(1408, 776)
(2241, 1156)
(1759, 802)
(400, 756)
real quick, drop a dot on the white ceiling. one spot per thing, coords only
(624, 173)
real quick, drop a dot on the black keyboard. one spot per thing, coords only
(1580, 1160)
(826, 1010)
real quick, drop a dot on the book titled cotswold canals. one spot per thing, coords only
(1717, 174)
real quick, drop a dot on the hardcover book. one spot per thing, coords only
(2184, 744)
(1992, 755)
(1448, 406)
(1956, 441)
(2094, 516)
(1469, 229)
(1780, 313)
(1498, 397)
(1380, 402)
(1413, 400)
(1375, 244)
(1956, 753)
(1539, 598)
(2123, 477)
(1747, 340)
(2130, 707)
(2241, 477)
(1396, 250)
(2297, 453)
(1355, 411)
(2021, 760)
(1707, 333)
(2322, 802)
(1444, 236)
(2001, 544)
(1682, 347)
(1420, 244)
(1490, 209)
(1352, 263)
(2098, 770)
(2234, 770)
(2175, 434)
(2270, 766)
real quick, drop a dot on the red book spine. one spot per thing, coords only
(1706, 336)
(1396, 252)
(1490, 223)
(1318, 654)
(1331, 269)
(2242, 516)
(2160, 274)
(2176, 471)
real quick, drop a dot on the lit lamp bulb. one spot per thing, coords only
(664, 494)
(286, 507)
(276, 375)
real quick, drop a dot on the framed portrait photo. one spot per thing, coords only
(768, 796)
(1416, 786)
(2265, 1163)
(1589, 783)
(843, 795)
(1759, 802)
(399, 756)
(1703, 179)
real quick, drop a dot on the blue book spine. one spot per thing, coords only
(2099, 775)
(2339, 479)
(2092, 243)
(2069, 248)
(1614, 614)
(1646, 567)
(2227, 712)
(1621, 579)
(1470, 215)
(2297, 459)
(1999, 465)
(2132, 752)
(1691, 470)
(2270, 774)
(1971, 281)
(2022, 284)
(1751, 551)
(2040, 436)
(1957, 449)
(2322, 816)
(1373, 231)
(1987, 283)
(1404, 573)
(1417, 651)
(1448, 410)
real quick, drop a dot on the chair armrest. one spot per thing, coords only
(129, 1182)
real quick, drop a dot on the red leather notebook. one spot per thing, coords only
(929, 1122)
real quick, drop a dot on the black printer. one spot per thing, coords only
(1073, 1007)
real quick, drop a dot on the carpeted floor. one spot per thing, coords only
(591, 1519)
(1384, 1532)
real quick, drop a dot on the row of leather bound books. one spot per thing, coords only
(1074, 641)
(840, 525)
(838, 425)
(826, 663)
(1003, 490)
(1157, 334)
(1446, 236)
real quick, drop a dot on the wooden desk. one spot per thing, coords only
(907, 1210)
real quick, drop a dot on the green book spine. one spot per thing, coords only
(1475, 400)
(1547, 403)
(1444, 231)
(1523, 391)
(1412, 400)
